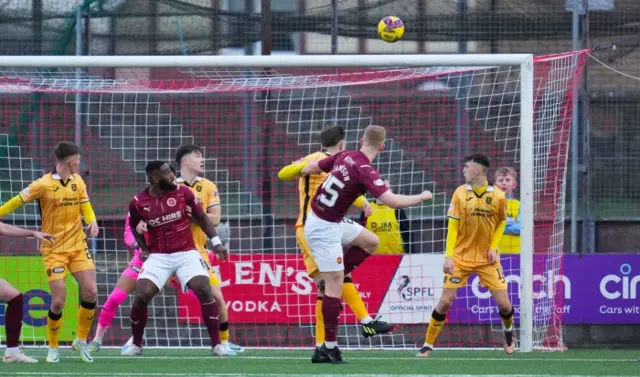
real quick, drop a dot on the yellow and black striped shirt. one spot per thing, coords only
(308, 185)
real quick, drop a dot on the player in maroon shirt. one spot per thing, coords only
(163, 207)
(351, 175)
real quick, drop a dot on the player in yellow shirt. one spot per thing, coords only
(477, 218)
(63, 201)
(332, 140)
(190, 159)
(390, 225)
(506, 179)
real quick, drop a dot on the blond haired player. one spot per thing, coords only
(350, 176)
(332, 142)
(506, 179)
(190, 160)
(477, 218)
(63, 201)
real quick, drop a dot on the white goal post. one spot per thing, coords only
(26, 69)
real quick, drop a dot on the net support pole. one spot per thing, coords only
(334, 27)
(78, 73)
(575, 35)
(526, 205)
(77, 137)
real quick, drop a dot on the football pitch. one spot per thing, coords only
(266, 363)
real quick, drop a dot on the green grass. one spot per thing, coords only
(191, 363)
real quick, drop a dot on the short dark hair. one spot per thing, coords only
(153, 166)
(186, 149)
(65, 149)
(331, 136)
(479, 158)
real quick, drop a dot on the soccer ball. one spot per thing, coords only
(390, 29)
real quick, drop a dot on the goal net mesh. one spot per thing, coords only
(250, 123)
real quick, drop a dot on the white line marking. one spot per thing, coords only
(101, 374)
(360, 357)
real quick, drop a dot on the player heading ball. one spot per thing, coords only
(350, 176)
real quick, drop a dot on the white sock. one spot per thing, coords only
(80, 340)
(97, 340)
(225, 343)
(331, 345)
(318, 345)
(428, 345)
(12, 350)
(367, 320)
(509, 329)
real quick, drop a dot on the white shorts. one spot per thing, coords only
(326, 238)
(186, 265)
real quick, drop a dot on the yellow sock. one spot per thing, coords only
(224, 331)
(435, 326)
(319, 322)
(352, 298)
(507, 320)
(85, 319)
(54, 323)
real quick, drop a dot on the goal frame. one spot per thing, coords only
(524, 61)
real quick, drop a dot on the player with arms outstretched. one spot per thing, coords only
(15, 301)
(350, 176)
(477, 219)
(171, 251)
(190, 159)
(332, 141)
(63, 200)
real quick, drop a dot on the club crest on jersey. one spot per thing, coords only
(199, 188)
(171, 202)
(488, 200)
(74, 187)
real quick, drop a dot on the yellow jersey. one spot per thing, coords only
(60, 214)
(479, 216)
(384, 223)
(510, 243)
(308, 185)
(206, 193)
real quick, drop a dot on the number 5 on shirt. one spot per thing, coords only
(330, 184)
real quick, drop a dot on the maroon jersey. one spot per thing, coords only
(351, 175)
(169, 227)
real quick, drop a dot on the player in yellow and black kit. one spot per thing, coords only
(390, 225)
(506, 179)
(332, 141)
(190, 159)
(477, 219)
(63, 201)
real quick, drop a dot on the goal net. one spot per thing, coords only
(253, 115)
